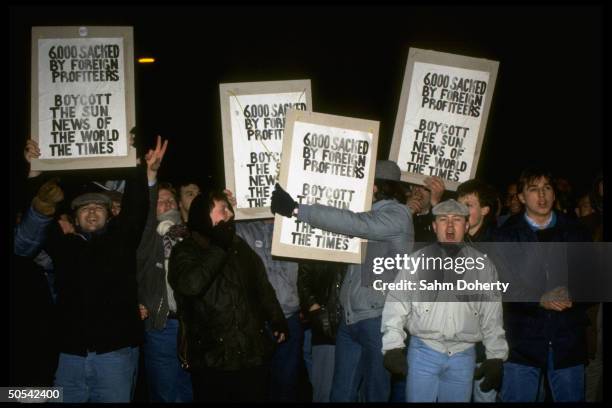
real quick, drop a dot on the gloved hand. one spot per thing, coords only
(492, 371)
(282, 203)
(395, 361)
(47, 198)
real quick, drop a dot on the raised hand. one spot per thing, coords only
(154, 158)
(282, 203)
(49, 195)
(230, 197)
(436, 186)
(414, 204)
(31, 151)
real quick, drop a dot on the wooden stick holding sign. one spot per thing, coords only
(253, 116)
(327, 160)
(442, 116)
(82, 105)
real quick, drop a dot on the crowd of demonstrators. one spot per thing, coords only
(168, 272)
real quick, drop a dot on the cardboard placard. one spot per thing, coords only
(327, 160)
(82, 105)
(442, 116)
(253, 116)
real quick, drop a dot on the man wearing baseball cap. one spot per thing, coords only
(444, 326)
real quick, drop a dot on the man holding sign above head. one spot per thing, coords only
(388, 228)
(98, 323)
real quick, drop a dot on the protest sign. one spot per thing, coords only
(442, 116)
(327, 160)
(253, 117)
(82, 105)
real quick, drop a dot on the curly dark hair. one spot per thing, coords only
(389, 190)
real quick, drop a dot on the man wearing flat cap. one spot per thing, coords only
(99, 327)
(444, 322)
(389, 231)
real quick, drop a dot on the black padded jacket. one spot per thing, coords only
(226, 305)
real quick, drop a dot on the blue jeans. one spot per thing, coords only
(359, 362)
(166, 380)
(286, 362)
(135, 360)
(103, 377)
(322, 371)
(307, 350)
(398, 390)
(521, 382)
(435, 376)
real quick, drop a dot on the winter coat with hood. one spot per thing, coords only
(225, 302)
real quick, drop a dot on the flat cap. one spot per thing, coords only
(91, 198)
(387, 170)
(449, 207)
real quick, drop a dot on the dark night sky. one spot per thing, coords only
(547, 108)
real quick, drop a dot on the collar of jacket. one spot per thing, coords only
(87, 236)
(381, 203)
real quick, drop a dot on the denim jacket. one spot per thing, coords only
(389, 231)
(281, 274)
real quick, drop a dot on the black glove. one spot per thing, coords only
(395, 361)
(282, 203)
(492, 371)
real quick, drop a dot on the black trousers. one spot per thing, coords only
(246, 385)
